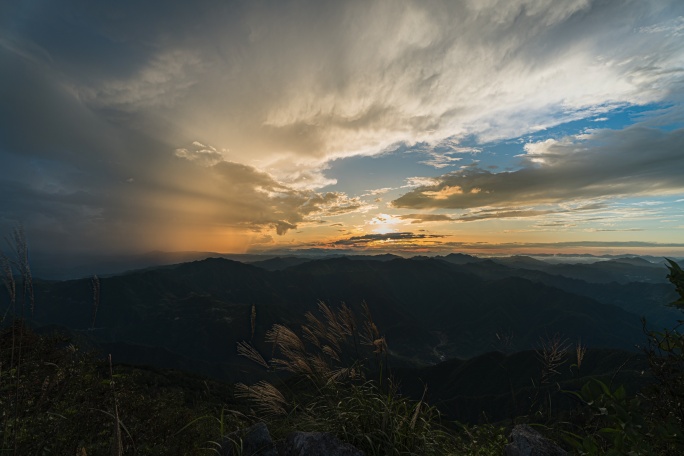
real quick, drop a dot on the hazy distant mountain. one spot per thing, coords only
(68, 267)
(429, 309)
(620, 270)
(643, 299)
(279, 263)
(460, 258)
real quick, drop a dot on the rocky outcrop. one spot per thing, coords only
(256, 441)
(525, 441)
(253, 441)
(317, 443)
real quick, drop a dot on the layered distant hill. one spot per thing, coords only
(190, 315)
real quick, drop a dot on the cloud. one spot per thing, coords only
(201, 154)
(421, 218)
(604, 163)
(125, 125)
(378, 191)
(160, 209)
(670, 27)
(442, 154)
(599, 230)
(255, 198)
(263, 239)
(418, 181)
(559, 245)
(504, 214)
(555, 224)
(298, 83)
(367, 239)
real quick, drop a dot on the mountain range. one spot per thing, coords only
(190, 315)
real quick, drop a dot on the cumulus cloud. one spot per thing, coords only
(249, 196)
(604, 163)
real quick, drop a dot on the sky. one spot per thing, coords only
(412, 127)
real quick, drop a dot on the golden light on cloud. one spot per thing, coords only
(384, 223)
(262, 126)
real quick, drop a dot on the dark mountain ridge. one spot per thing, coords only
(429, 309)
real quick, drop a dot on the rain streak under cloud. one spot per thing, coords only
(423, 126)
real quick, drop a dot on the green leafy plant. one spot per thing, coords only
(616, 425)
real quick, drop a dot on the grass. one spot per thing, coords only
(337, 381)
(71, 401)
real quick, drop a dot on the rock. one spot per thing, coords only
(525, 441)
(317, 444)
(256, 441)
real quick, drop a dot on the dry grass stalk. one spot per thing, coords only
(252, 321)
(370, 332)
(18, 243)
(10, 284)
(248, 351)
(342, 373)
(117, 445)
(267, 398)
(580, 351)
(328, 330)
(333, 325)
(416, 413)
(327, 352)
(347, 320)
(552, 354)
(285, 338)
(310, 337)
(95, 283)
(380, 346)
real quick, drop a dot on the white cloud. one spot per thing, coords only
(304, 83)
(418, 181)
(200, 154)
(605, 163)
(670, 27)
